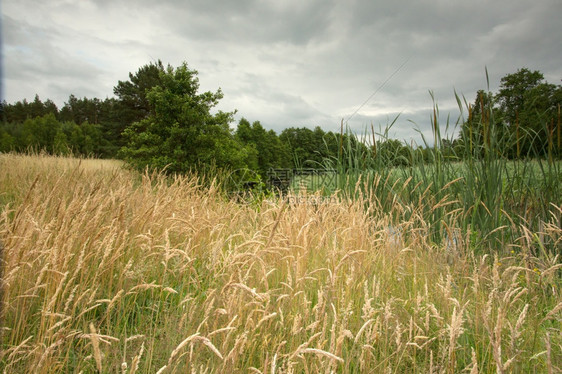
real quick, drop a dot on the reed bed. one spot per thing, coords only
(107, 271)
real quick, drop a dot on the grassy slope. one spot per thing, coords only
(104, 269)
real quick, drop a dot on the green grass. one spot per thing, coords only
(486, 198)
(492, 200)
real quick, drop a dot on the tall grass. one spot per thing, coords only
(478, 192)
(106, 271)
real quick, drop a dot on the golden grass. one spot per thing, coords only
(105, 270)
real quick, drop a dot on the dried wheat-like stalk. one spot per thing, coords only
(320, 352)
(518, 328)
(474, 363)
(556, 310)
(96, 346)
(270, 286)
(136, 360)
(186, 341)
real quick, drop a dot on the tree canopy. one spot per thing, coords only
(180, 133)
(521, 119)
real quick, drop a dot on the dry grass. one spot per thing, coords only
(106, 271)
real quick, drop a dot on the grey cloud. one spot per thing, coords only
(295, 62)
(32, 57)
(250, 22)
(275, 108)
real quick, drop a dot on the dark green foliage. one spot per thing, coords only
(103, 114)
(132, 94)
(484, 123)
(111, 116)
(22, 110)
(264, 148)
(305, 145)
(513, 91)
(131, 103)
(83, 126)
(311, 148)
(523, 118)
(180, 133)
(47, 134)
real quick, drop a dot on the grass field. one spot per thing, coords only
(105, 270)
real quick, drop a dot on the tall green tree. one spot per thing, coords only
(520, 120)
(132, 94)
(180, 133)
(483, 128)
(79, 110)
(513, 92)
(90, 114)
(22, 110)
(39, 132)
(529, 106)
(131, 103)
(7, 141)
(304, 145)
(538, 118)
(269, 151)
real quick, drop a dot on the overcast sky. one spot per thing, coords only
(286, 62)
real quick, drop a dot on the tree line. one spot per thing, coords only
(159, 119)
(523, 119)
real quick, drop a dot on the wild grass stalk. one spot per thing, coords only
(106, 269)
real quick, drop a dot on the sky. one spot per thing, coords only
(288, 63)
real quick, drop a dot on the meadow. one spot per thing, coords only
(107, 270)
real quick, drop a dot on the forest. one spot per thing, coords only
(158, 119)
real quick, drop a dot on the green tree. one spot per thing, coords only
(80, 110)
(245, 136)
(38, 109)
(134, 104)
(521, 120)
(483, 129)
(529, 107)
(60, 143)
(303, 144)
(103, 115)
(74, 135)
(513, 88)
(112, 126)
(22, 110)
(92, 139)
(312, 148)
(131, 103)
(7, 141)
(270, 152)
(538, 119)
(180, 133)
(39, 133)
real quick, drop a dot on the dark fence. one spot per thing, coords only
(313, 179)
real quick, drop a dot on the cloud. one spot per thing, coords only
(288, 63)
(31, 55)
(249, 22)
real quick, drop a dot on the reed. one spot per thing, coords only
(475, 191)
